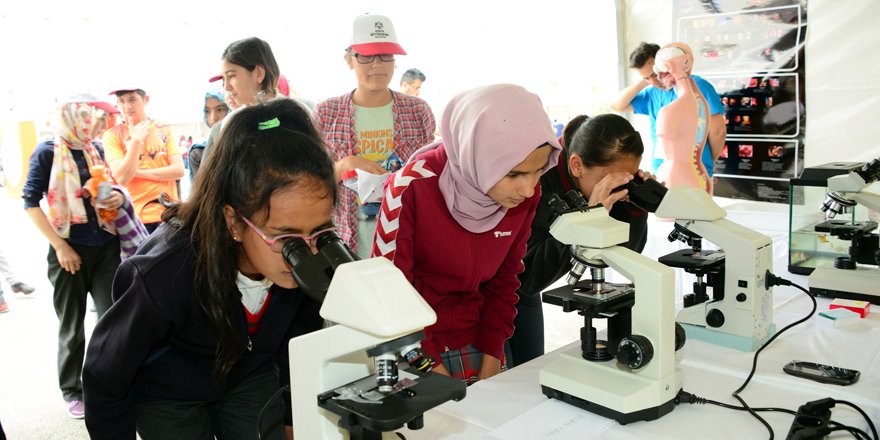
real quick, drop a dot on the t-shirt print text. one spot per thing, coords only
(499, 234)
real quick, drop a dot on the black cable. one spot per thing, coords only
(856, 432)
(771, 280)
(686, 397)
(870, 423)
(260, 416)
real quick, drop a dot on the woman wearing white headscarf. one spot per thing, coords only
(456, 219)
(85, 248)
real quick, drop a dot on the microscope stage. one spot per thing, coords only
(384, 413)
(583, 297)
(686, 258)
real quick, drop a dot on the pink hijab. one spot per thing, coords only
(487, 132)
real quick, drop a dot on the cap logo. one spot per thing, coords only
(379, 31)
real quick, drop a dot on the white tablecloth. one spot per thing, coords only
(710, 371)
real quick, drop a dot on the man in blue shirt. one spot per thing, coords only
(649, 95)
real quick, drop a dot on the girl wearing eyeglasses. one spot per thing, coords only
(371, 124)
(196, 341)
(456, 218)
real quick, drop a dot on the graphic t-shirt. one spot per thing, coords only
(156, 153)
(374, 129)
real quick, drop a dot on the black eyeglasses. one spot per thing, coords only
(367, 59)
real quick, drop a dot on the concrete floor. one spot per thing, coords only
(31, 406)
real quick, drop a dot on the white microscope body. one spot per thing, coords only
(371, 303)
(851, 280)
(611, 388)
(743, 319)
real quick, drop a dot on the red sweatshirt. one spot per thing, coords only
(469, 279)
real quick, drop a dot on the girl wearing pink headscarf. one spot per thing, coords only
(456, 219)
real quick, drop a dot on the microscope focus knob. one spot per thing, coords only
(715, 318)
(635, 351)
(680, 336)
(845, 263)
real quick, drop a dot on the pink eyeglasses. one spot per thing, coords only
(277, 242)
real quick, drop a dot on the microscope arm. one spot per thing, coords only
(654, 309)
(867, 199)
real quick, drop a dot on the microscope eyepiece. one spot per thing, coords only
(334, 250)
(312, 272)
(295, 251)
(575, 200)
(870, 172)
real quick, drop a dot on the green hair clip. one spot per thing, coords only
(271, 123)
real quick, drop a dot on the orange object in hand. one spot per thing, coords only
(99, 187)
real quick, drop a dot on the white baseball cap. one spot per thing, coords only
(374, 35)
(90, 99)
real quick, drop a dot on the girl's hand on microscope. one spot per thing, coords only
(645, 175)
(604, 192)
(490, 367)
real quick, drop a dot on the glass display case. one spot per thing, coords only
(807, 247)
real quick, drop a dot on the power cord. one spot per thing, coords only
(266, 405)
(810, 433)
(771, 280)
(865, 415)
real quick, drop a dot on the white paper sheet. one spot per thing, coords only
(368, 186)
(558, 421)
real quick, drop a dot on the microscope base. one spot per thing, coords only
(858, 284)
(646, 414)
(736, 342)
(606, 389)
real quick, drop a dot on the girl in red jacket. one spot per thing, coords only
(456, 219)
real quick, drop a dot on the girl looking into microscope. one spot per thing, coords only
(196, 341)
(456, 219)
(599, 155)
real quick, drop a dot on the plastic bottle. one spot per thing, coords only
(99, 187)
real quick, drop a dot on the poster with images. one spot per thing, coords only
(752, 52)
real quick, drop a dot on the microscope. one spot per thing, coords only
(365, 376)
(855, 276)
(739, 312)
(631, 375)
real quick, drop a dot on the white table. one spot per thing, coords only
(710, 371)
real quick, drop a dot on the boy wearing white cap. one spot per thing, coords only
(370, 125)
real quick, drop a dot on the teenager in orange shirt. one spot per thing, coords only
(143, 157)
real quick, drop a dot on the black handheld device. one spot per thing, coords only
(822, 373)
